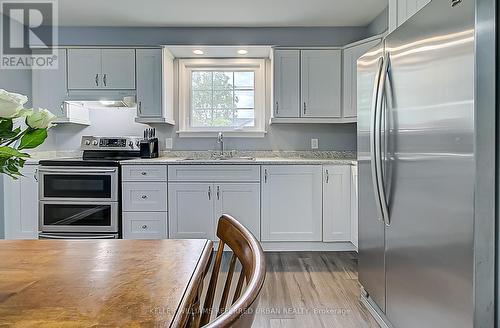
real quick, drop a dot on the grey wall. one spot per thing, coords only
(279, 137)
(380, 24)
(283, 36)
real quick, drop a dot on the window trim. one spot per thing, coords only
(186, 66)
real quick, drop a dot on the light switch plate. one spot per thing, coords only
(314, 143)
(168, 143)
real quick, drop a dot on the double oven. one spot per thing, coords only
(79, 202)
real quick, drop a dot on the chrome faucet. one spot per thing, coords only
(220, 140)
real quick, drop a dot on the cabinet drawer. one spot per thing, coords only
(144, 196)
(144, 173)
(144, 225)
(219, 172)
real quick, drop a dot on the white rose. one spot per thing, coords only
(11, 103)
(41, 119)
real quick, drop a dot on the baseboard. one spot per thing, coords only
(306, 246)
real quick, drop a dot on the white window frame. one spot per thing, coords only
(187, 66)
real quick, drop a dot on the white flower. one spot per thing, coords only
(11, 103)
(41, 119)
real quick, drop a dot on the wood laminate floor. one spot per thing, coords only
(309, 289)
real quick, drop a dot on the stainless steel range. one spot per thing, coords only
(80, 198)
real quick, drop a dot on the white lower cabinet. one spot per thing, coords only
(196, 207)
(191, 210)
(242, 201)
(20, 210)
(144, 225)
(336, 203)
(354, 205)
(144, 202)
(291, 202)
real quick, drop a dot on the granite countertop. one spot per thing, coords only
(204, 157)
(259, 158)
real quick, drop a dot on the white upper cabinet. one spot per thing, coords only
(84, 69)
(118, 68)
(321, 83)
(291, 203)
(402, 10)
(101, 69)
(336, 203)
(149, 83)
(286, 83)
(350, 57)
(49, 86)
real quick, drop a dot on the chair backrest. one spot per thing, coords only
(247, 250)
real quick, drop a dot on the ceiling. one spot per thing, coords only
(219, 13)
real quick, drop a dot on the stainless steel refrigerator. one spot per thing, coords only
(417, 173)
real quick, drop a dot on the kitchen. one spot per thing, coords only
(164, 123)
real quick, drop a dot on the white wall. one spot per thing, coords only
(105, 122)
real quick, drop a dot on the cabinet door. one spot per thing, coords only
(84, 69)
(144, 196)
(291, 203)
(242, 201)
(149, 82)
(49, 86)
(336, 203)
(191, 207)
(21, 204)
(354, 206)
(286, 83)
(144, 225)
(350, 58)
(118, 68)
(321, 83)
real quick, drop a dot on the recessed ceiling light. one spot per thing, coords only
(198, 52)
(242, 52)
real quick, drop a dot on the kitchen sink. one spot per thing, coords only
(219, 159)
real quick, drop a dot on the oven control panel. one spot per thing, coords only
(110, 143)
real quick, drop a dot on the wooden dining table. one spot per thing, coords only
(111, 283)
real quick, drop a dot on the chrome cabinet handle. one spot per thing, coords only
(218, 192)
(277, 107)
(35, 175)
(144, 227)
(327, 176)
(144, 196)
(105, 80)
(265, 175)
(97, 80)
(209, 193)
(305, 107)
(140, 107)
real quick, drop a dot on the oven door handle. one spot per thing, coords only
(51, 236)
(76, 170)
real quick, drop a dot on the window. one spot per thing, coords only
(221, 95)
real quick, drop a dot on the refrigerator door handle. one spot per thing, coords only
(378, 142)
(373, 140)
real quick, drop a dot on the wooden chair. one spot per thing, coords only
(247, 250)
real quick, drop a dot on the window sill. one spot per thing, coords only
(214, 134)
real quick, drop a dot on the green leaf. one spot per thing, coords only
(7, 152)
(6, 129)
(33, 139)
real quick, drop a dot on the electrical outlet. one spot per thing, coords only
(314, 143)
(168, 143)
